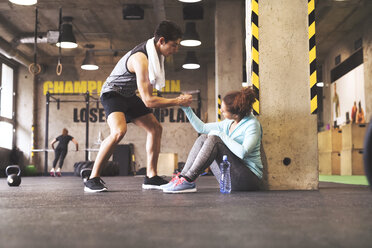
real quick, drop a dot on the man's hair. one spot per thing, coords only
(169, 30)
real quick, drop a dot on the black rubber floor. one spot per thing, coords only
(55, 212)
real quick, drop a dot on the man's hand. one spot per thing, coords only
(184, 100)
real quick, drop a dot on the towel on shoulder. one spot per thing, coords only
(156, 65)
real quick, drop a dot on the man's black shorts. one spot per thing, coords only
(133, 107)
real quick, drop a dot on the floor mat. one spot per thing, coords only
(358, 180)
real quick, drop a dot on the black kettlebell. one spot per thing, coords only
(13, 179)
(85, 173)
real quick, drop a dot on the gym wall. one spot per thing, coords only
(178, 136)
(345, 48)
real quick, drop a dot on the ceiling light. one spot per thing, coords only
(191, 62)
(189, 1)
(24, 2)
(89, 63)
(320, 84)
(133, 12)
(190, 37)
(67, 38)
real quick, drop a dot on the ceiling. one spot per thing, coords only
(335, 19)
(101, 23)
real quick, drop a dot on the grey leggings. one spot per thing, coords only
(208, 151)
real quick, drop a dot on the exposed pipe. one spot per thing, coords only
(31, 39)
(7, 50)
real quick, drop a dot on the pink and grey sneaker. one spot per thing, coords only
(181, 186)
(173, 181)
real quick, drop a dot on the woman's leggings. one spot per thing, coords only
(208, 151)
(59, 154)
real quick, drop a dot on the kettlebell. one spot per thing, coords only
(13, 179)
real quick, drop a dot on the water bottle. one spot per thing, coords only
(225, 180)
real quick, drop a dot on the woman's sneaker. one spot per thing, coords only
(181, 186)
(171, 182)
(52, 173)
(94, 185)
(154, 182)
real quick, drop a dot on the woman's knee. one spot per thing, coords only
(213, 138)
(203, 137)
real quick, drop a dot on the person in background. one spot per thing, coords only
(354, 112)
(238, 136)
(336, 102)
(360, 116)
(61, 151)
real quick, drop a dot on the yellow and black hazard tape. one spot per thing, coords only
(255, 53)
(219, 108)
(312, 58)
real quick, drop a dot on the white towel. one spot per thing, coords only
(156, 66)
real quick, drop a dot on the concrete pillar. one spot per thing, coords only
(367, 61)
(211, 90)
(289, 130)
(229, 46)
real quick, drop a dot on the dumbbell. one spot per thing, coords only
(13, 179)
(85, 173)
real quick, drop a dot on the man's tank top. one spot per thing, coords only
(121, 80)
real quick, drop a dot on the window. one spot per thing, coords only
(6, 133)
(6, 106)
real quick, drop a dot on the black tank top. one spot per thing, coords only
(121, 80)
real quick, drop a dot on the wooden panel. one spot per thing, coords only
(325, 163)
(329, 163)
(325, 141)
(336, 140)
(336, 163)
(330, 141)
(357, 160)
(352, 162)
(346, 163)
(353, 136)
(167, 163)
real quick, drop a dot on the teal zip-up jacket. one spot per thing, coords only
(244, 141)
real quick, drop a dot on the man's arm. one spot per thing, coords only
(138, 64)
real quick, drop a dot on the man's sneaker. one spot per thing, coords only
(95, 184)
(181, 186)
(173, 181)
(153, 182)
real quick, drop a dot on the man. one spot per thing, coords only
(122, 105)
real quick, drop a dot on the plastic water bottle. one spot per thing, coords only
(225, 180)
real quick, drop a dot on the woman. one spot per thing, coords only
(238, 137)
(61, 151)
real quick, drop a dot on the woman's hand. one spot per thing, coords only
(184, 100)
